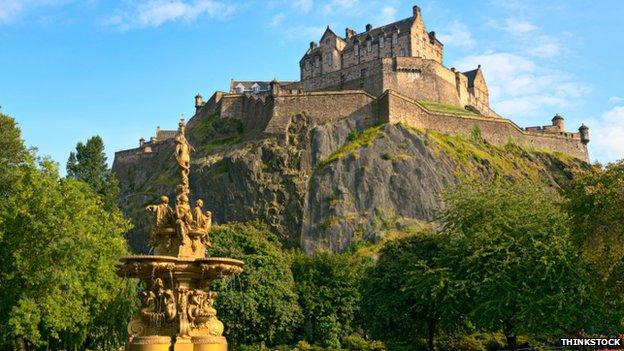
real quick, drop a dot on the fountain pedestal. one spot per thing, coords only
(177, 306)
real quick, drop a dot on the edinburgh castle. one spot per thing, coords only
(390, 74)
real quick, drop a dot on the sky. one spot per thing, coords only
(73, 69)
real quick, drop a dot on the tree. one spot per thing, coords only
(261, 304)
(13, 152)
(328, 286)
(406, 294)
(58, 248)
(595, 202)
(88, 164)
(512, 259)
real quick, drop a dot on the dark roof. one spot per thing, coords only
(471, 77)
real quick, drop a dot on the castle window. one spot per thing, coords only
(317, 62)
(363, 73)
(329, 58)
(356, 49)
(395, 38)
(369, 46)
(402, 52)
(381, 42)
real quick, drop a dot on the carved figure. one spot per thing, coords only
(162, 216)
(184, 218)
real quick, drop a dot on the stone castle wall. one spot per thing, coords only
(418, 78)
(395, 108)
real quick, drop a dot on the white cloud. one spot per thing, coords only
(517, 26)
(545, 50)
(9, 9)
(607, 135)
(277, 20)
(299, 33)
(154, 13)
(387, 15)
(616, 99)
(303, 5)
(456, 34)
(519, 87)
(336, 7)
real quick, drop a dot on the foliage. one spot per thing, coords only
(261, 304)
(13, 153)
(405, 294)
(58, 251)
(595, 201)
(88, 164)
(355, 141)
(435, 106)
(214, 131)
(328, 286)
(512, 260)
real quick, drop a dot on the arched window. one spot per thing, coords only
(381, 42)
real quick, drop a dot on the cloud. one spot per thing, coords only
(9, 9)
(336, 7)
(302, 5)
(456, 34)
(606, 134)
(518, 27)
(277, 20)
(154, 13)
(616, 99)
(387, 15)
(519, 87)
(545, 50)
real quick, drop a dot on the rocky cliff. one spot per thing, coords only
(326, 186)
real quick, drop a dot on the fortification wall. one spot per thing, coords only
(366, 76)
(322, 107)
(254, 112)
(397, 108)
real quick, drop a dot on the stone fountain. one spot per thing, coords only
(177, 307)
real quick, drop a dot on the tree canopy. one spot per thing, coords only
(58, 248)
(88, 164)
(261, 304)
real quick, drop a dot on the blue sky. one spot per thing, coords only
(73, 69)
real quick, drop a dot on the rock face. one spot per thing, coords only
(326, 186)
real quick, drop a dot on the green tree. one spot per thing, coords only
(406, 293)
(58, 248)
(595, 202)
(328, 286)
(88, 164)
(512, 258)
(261, 304)
(13, 153)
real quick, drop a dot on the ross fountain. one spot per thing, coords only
(177, 307)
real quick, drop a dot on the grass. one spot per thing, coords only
(355, 140)
(445, 108)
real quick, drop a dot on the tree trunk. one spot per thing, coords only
(510, 335)
(431, 325)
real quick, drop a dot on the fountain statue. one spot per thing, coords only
(177, 307)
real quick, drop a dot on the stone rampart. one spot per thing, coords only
(395, 108)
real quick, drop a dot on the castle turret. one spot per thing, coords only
(199, 102)
(275, 87)
(584, 132)
(558, 122)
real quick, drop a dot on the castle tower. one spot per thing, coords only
(584, 132)
(558, 122)
(199, 102)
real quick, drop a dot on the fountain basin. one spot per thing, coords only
(146, 267)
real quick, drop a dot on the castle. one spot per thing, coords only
(390, 74)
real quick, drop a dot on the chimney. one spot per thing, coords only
(312, 45)
(416, 11)
(275, 87)
(141, 142)
(349, 33)
(369, 27)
